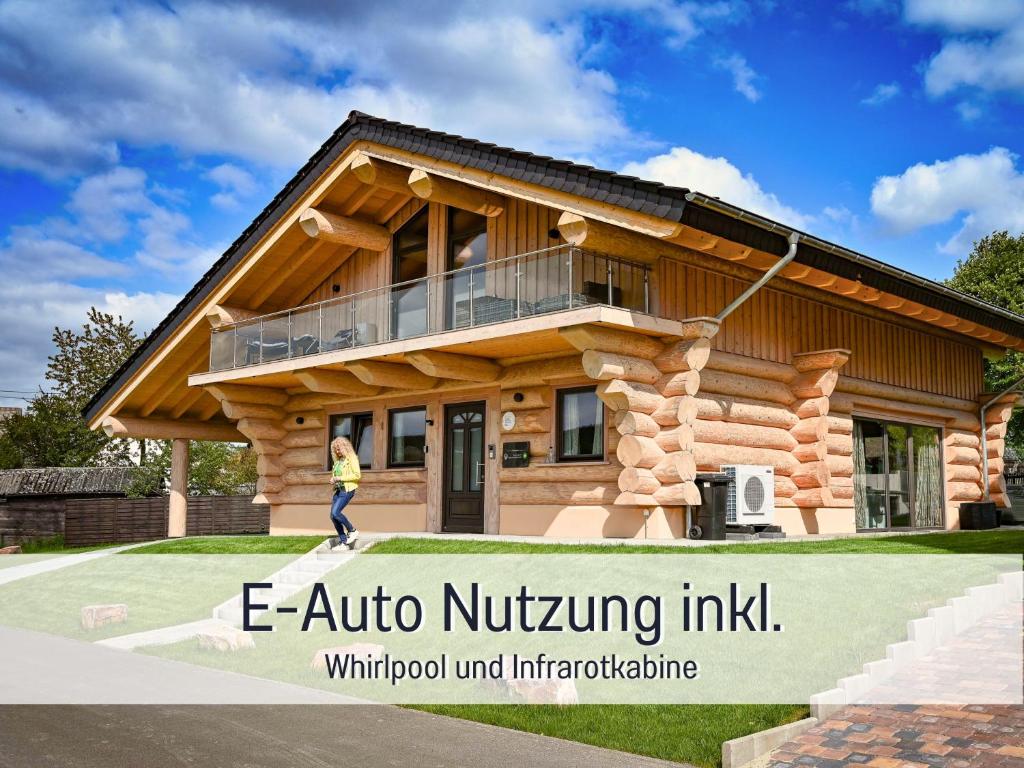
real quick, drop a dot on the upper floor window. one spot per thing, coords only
(467, 252)
(409, 267)
(407, 437)
(358, 429)
(580, 425)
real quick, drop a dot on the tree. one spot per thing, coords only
(53, 433)
(215, 469)
(994, 272)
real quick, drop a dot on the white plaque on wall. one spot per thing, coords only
(508, 420)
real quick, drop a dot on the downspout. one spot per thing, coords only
(794, 238)
(984, 435)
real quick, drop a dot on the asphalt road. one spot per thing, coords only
(296, 736)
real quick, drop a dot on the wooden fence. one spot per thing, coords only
(104, 521)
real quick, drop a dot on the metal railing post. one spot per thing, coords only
(352, 320)
(608, 273)
(519, 289)
(261, 340)
(572, 287)
(472, 315)
(320, 328)
(647, 291)
(289, 335)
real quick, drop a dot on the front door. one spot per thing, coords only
(464, 468)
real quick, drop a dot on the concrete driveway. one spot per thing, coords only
(298, 736)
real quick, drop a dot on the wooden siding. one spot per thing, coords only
(775, 325)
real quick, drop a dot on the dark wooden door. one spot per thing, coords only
(464, 465)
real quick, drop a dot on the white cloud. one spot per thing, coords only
(882, 93)
(986, 192)
(743, 76)
(717, 177)
(29, 310)
(234, 182)
(968, 111)
(267, 83)
(983, 45)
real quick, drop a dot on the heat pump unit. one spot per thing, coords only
(751, 497)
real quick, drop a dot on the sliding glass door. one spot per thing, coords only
(897, 475)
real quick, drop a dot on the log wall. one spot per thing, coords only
(775, 325)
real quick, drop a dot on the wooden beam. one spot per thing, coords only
(357, 199)
(243, 393)
(344, 230)
(191, 397)
(281, 275)
(397, 202)
(606, 238)
(395, 375)
(221, 314)
(169, 429)
(177, 509)
(170, 382)
(602, 339)
(380, 173)
(438, 189)
(445, 365)
(334, 382)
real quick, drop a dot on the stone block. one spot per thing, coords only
(95, 616)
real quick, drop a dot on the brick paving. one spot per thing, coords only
(907, 736)
(937, 735)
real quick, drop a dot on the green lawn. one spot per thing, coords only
(959, 542)
(231, 545)
(691, 734)
(55, 545)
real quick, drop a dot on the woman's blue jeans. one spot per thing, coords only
(341, 523)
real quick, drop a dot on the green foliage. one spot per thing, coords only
(215, 469)
(994, 272)
(53, 433)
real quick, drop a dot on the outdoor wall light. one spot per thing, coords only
(336, 288)
(300, 420)
(518, 397)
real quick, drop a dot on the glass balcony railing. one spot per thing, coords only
(537, 283)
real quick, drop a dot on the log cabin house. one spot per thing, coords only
(522, 345)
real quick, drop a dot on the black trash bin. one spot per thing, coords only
(978, 516)
(710, 515)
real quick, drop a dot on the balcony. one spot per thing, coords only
(530, 284)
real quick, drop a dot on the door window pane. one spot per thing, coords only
(409, 301)
(467, 252)
(897, 475)
(580, 425)
(476, 458)
(869, 474)
(898, 494)
(927, 454)
(407, 437)
(458, 457)
(358, 429)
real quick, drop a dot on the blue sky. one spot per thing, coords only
(137, 140)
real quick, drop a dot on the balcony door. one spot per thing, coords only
(464, 465)
(467, 254)
(897, 475)
(408, 276)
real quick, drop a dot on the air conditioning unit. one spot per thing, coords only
(751, 497)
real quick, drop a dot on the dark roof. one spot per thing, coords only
(66, 481)
(629, 192)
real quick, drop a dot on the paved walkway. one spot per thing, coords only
(944, 734)
(907, 736)
(33, 566)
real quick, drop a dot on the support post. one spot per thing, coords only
(178, 503)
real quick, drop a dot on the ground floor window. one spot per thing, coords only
(358, 429)
(897, 475)
(407, 437)
(580, 421)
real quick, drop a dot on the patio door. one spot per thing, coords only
(897, 475)
(464, 465)
(466, 281)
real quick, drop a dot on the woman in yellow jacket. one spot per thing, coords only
(345, 476)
